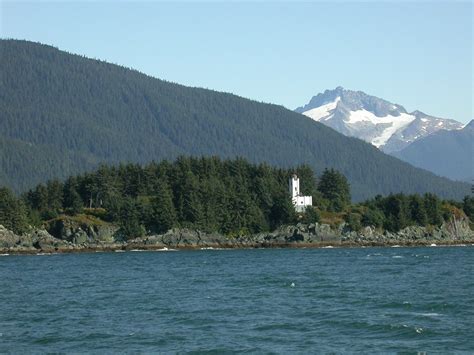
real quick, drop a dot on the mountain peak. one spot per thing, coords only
(338, 89)
(384, 124)
(353, 100)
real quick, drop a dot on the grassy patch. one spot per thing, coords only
(334, 219)
(100, 213)
(81, 219)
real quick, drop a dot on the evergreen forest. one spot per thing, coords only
(233, 197)
(64, 114)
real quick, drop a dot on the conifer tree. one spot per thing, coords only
(396, 213)
(163, 211)
(13, 214)
(335, 188)
(282, 211)
(468, 207)
(72, 199)
(373, 217)
(433, 209)
(130, 219)
(417, 210)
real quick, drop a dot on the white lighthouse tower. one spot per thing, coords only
(300, 202)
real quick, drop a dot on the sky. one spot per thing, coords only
(417, 54)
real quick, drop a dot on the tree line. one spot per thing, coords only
(232, 196)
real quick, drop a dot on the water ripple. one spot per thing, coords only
(263, 301)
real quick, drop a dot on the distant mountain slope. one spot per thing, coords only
(22, 163)
(446, 153)
(387, 126)
(63, 114)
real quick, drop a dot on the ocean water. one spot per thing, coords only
(221, 301)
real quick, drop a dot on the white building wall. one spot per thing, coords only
(294, 186)
(300, 202)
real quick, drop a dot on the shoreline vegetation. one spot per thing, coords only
(195, 203)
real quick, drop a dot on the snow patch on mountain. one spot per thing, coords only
(386, 125)
(396, 124)
(322, 112)
(393, 124)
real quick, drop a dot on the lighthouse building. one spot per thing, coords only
(300, 202)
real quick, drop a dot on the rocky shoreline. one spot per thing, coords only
(68, 236)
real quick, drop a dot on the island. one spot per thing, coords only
(202, 203)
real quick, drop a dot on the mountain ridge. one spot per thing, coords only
(64, 114)
(446, 153)
(386, 125)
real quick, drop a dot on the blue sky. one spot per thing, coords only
(418, 54)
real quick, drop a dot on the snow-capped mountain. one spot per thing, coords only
(386, 125)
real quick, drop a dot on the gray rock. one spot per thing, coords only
(8, 239)
(42, 240)
(82, 232)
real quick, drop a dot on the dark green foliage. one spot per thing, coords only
(164, 213)
(468, 207)
(311, 215)
(433, 209)
(335, 188)
(130, 219)
(64, 114)
(228, 196)
(282, 211)
(354, 221)
(209, 194)
(72, 200)
(396, 212)
(13, 214)
(54, 190)
(47, 199)
(373, 217)
(308, 181)
(417, 210)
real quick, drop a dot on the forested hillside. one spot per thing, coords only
(62, 114)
